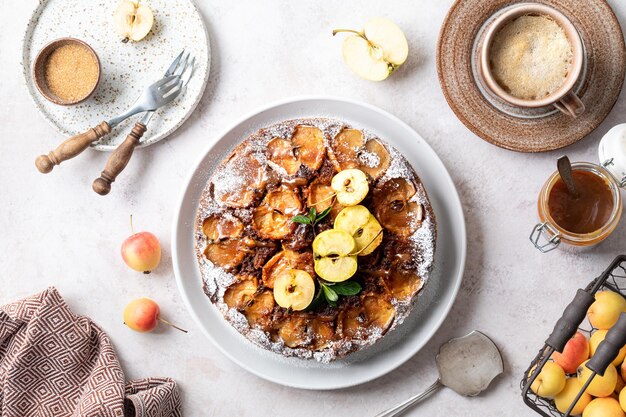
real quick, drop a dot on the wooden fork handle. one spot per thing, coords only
(71, 147)
(118, 160)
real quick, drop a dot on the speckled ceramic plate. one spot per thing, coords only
(544, 129)
(127, 68)
(398, 346)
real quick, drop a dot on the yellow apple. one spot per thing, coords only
(601, 386)
(619, 386)
(550, 381)
(576, 351)
(567, 396)
(622, 399)
(605, 311)
(598, 337)
(603, 407)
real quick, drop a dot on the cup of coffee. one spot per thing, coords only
(532, 56)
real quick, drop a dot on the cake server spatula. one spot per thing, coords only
(467, 365)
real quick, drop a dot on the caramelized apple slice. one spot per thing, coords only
(281, 152)
(403, 283)
(308, 142)
(322, 196)
(293, 331)
(378, 311)
(239, 181)
(241, 293)
(374, 160)
(283, 261)
(216, 227)
(372, 314)
(272, 219)
(344, 149)
(393, 208)
(259, 311)
(226, 254)
(323, 333)
(349, 150)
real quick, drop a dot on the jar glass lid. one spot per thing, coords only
(612, 153)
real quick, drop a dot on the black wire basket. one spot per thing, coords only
(575, 319)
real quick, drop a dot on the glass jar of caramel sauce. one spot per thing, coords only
(592, 214)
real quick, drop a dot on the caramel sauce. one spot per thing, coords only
(587, 212)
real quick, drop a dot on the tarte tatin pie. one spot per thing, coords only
(314, 238)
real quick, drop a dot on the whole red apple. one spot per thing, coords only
(142, 252)
(576, 351)
(143, 315)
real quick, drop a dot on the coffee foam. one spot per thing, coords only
(531, 57)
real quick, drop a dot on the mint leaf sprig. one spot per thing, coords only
(312, 218)
(331, 292)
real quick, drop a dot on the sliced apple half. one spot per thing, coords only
(351, 186)
(362, 226)
(294, 289)
(272, 219)
(133, 20)
(394, 207)
(217, 227)
(259, 310)
(241, 293)
(308, 142)
(377, 51)
(333, 255)
(281, 153)
(348, 149)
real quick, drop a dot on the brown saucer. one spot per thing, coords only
(599, 88)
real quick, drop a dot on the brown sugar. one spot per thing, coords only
(71, 72)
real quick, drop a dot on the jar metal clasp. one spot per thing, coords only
(551, 237)
(608, 163)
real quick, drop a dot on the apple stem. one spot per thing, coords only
(326, 199)
(132, 229)
(173, 325)
(371, 241)
(336, 31)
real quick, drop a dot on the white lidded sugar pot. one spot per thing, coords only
(548, 234)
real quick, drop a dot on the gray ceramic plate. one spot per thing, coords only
(127, 68)
(433, 304)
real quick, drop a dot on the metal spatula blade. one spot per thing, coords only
(467, 365)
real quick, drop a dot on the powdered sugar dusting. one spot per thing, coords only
(233, 175)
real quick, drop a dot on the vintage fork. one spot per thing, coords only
(122, 154)
(154, 96)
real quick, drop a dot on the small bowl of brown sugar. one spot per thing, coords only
(66, 71)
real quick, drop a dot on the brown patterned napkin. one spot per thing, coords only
(55, 363)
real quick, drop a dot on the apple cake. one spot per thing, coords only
(314, 238)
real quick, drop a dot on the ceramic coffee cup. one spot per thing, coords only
(563, 98)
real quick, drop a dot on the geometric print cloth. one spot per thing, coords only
(54, 363)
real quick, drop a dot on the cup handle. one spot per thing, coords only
(570, 105)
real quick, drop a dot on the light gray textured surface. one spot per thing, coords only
(55, 231)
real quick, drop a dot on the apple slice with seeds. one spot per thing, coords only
(294, 289)
(394, 208)
(351, 186)
(333, 255)
(308, 143)
(241, 293)
(362, 226)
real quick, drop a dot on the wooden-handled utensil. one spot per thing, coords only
(154, 96)
(122, 154)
